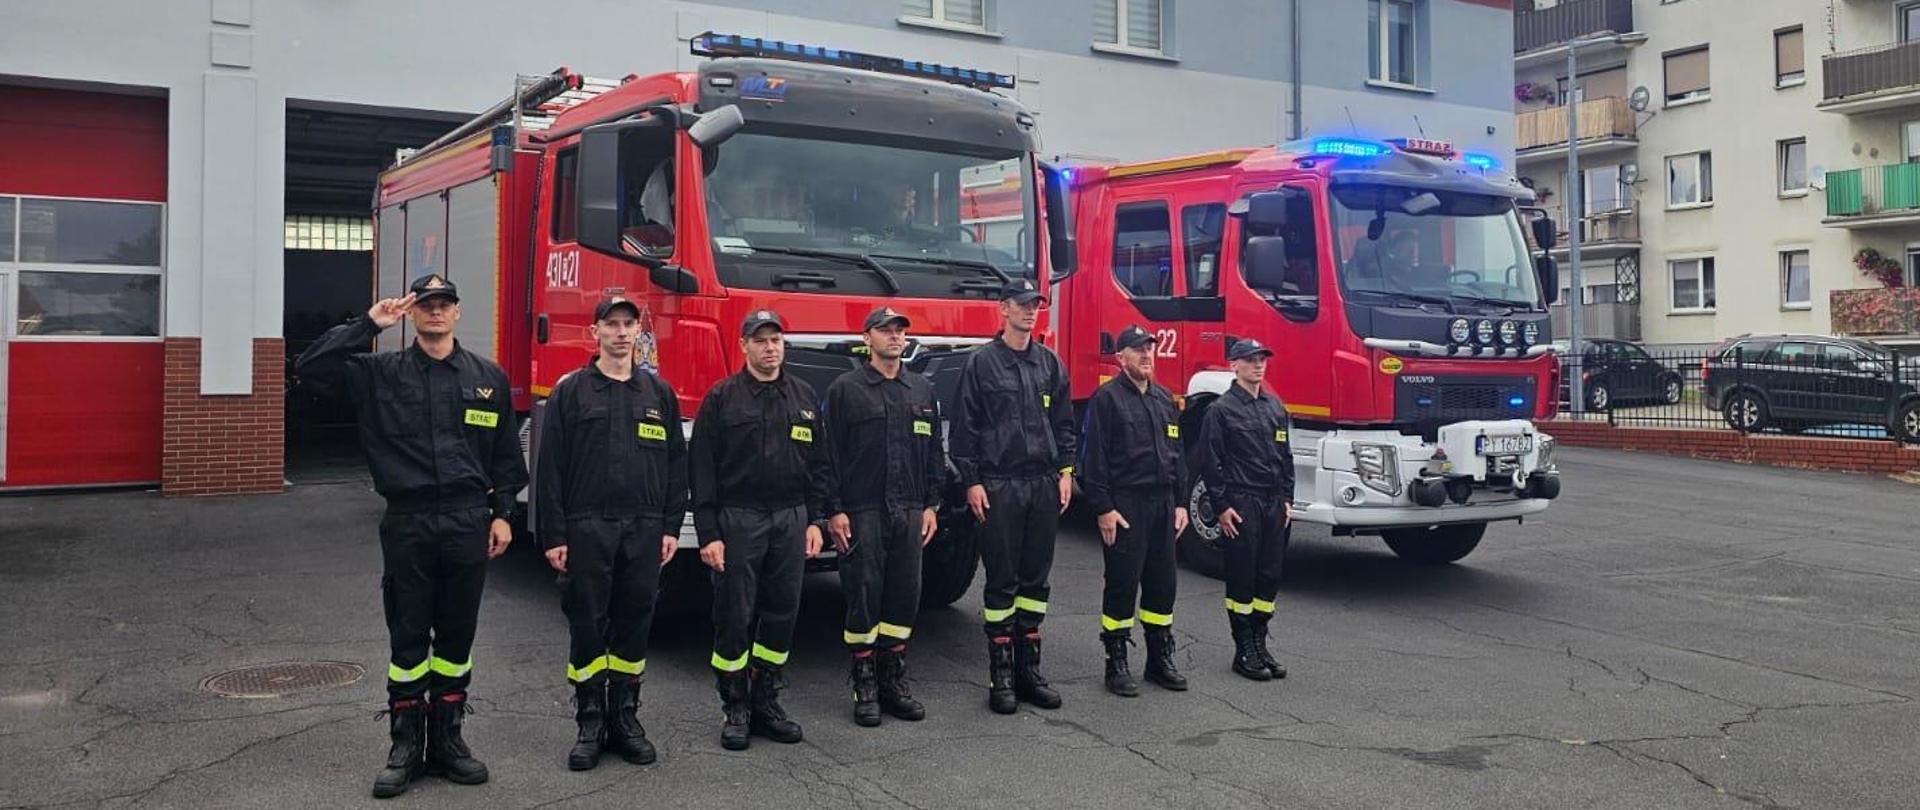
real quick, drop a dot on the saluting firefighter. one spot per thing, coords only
(1013, 446)
(881, 474)
(438, 425)
(755, 507)
(611, 494)
(1248, 471)
(1130, 474)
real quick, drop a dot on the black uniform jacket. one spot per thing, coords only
(1247, 446)
(882, 444)
(610, 449)
(1015, 418)
(753, 446)
(1132, 441)
(440, 434)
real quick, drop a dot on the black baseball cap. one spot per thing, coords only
(1134, 337)
(607, 307)
(886, 315)
(1246, 348)
(433, 285)
(759, 318)
(1022, 291)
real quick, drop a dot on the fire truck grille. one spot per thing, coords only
(1419, 399)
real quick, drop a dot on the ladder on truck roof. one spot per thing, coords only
(536, 103)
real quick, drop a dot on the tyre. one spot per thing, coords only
(1435, 545)
(1905, 426)
(948, 563)
(1671, 391)
(1746, 412)
(1599, 397)
(1199, 547)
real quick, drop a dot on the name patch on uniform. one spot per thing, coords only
(921, 428)
(802, 433)
(1173, 431)
(482, 418)
(657, 433)
(1280, 435)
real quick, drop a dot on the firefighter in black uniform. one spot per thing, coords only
(1013, 446)
(611, 493)
(1248, 471)
(1130, 473)
(755, 508)
(881, 472)
(438, 424)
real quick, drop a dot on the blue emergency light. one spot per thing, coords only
(721, 45)
(1482, 162)
(1516, 401)
(1349, 147)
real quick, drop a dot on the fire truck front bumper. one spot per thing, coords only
(1475, 472)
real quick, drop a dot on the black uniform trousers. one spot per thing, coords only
(1140, 563)
(613, 576)
(1253, 560)
(1016, 547)
(757, 599)
(435, 569)
(880, 575)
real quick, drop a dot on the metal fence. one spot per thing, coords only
(1813, 390)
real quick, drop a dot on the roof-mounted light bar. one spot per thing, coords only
(720, 45)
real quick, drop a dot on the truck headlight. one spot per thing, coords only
(1545, 445)
(1378, 466)
(1460, 331)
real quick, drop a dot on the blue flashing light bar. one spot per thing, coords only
(1348, 147)
(722, 45)
(1482, 162)
(1516, 401)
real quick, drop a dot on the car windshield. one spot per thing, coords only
(835, 210)
(1409, 242)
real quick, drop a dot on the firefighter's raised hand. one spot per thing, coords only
(714, 554)
(668, 545)
(814, 541)
(389, 311)
(929, 526)
(1230, 522)
(977, 501)
(557, 557)
(498, 536)
(841, 528)
(1111, 523)
(1179, 522)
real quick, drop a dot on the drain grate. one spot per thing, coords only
(285, 677)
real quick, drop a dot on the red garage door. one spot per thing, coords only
(83, 189)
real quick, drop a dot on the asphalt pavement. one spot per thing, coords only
(1672, 634)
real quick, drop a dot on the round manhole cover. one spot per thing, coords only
(286, 677)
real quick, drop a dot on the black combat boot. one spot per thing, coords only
(1000, 695)
(590, 714)
(896, 697)
(769, 719)
(1160, 667)
(1028, 683)
(625, 735)
(1259, 622)
(1246, 658)
(1119, 675)
(866, 689)
(406, 761)
(447, 753)
(733, 702)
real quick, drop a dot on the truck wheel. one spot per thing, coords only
(1199, 547)
(1435, 545)
(948, 563)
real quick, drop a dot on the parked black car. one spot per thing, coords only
(1620, 373)
(1797, 382)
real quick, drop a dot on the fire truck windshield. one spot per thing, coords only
(1420, 245)
(820, 215)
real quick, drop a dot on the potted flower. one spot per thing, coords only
(1880, 268)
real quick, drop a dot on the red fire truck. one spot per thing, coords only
(812, 181)
(1397, 286)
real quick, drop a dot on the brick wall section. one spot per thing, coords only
(1842, 455)
(222, 445)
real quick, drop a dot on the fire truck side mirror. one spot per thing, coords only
(1267, 211)
(603, 150)
(1266, 262)
(1549, 274)
(715, 127)
(1061, 253)
(1545, 233)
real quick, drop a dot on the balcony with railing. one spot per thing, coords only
(1874, 196)
(1872, 79)
(1880, 313)
(1542, 29)
(1619, 320)
(1608, 231)
(1606, 124)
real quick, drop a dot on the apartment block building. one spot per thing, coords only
(1736, 159)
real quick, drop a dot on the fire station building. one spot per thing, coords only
(185, 185)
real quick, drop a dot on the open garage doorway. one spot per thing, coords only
(334, 154)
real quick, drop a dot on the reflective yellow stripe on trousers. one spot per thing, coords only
(625, 667)
(729, 664)
(1029, 605)
(894, 631)
(860, 638)
(1111, 623)
(449, 669)
(398, 675)
(1242, 608)
(769, 655)
(592, 668)
(1262, 606)
(996, 615)
(1156, 619)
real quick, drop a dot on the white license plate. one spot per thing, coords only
(1504, 445)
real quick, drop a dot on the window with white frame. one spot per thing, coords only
(83, 268)
(1796, 280)
(1686, 75)
(1137, 25)
(1793, 166)
(956, 13)
(1692, 284)
(1392, 33)
(1690, 179)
